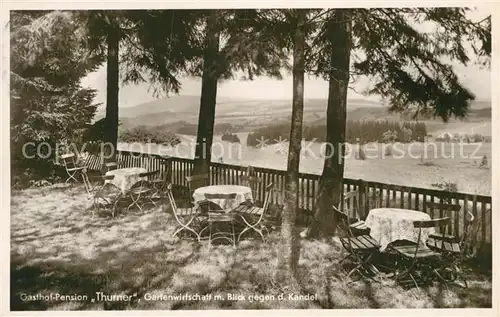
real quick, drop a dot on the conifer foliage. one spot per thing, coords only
(48, 104)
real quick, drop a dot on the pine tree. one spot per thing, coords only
(407, 66)
(49, 57)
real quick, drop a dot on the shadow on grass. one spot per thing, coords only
(143, 270)
(51, 277)
(368, 293)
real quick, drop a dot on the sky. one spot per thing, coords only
(477, 79)
(474, 78)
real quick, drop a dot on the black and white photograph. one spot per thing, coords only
(243, 157)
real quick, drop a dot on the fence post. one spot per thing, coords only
(167, 161)
(363, 205)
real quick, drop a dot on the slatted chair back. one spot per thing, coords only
(165, 179)
(350, 203)
(468, 241)
(94, 162)
(267, 199)
(215, 212)
(265, 206)
(150, 174)
(343, 222)
(215, 208)
(104, 195)
(144, 183)
(69, 161)
(110, 166)
(446, 207)
(346, 235)
(175, 210)
(441, 223)
(173, 204)
(220, 196)
(147, 177)
(443, 209)
(249, 179)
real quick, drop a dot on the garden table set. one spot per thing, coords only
(224, 212)
(388, 225)
(125, 178)
(210, 206)
(242, 194)
(409, 238)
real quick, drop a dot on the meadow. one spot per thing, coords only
(458, 163)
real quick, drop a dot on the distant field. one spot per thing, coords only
(436, 127)
(453, 162)
(252, 114)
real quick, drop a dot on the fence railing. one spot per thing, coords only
(371, 194)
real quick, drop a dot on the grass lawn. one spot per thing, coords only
(56, 247)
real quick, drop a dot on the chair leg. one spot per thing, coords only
(69, 178)
(356, 268)
(203, 230)
(115, 204)
(344, 258)
(407, 272)
(251, 227)
(414, 281)
(186, 227)
(234, 235)
(135, 202)
(210, 235)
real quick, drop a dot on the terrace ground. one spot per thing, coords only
(56, 246)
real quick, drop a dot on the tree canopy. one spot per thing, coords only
(406, 54)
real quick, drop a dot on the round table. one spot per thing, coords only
(243, 194)
(391, 224)
(125, 178)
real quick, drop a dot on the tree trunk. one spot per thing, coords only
(112, 89)
(331, 181)
(289, 247)
(206, 118)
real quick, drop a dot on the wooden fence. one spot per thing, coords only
(371, 194)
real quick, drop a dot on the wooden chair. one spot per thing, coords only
(143, 191)
(250, 180)
(72, 168)
(160, 184)
(110, 166)
(420, 260)
(94, 162)
(185, 217)
(350, 206)
(105, 196)
(253, 217)
(221, 221)
(455, 256)
(451, 241)
(360, 248)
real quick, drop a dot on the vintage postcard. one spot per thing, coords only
(181, 156)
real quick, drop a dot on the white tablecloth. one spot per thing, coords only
(391, 224)
(125, 178)
(243, 194)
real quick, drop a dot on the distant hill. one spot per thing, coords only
(186, 108)
(179, 111)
